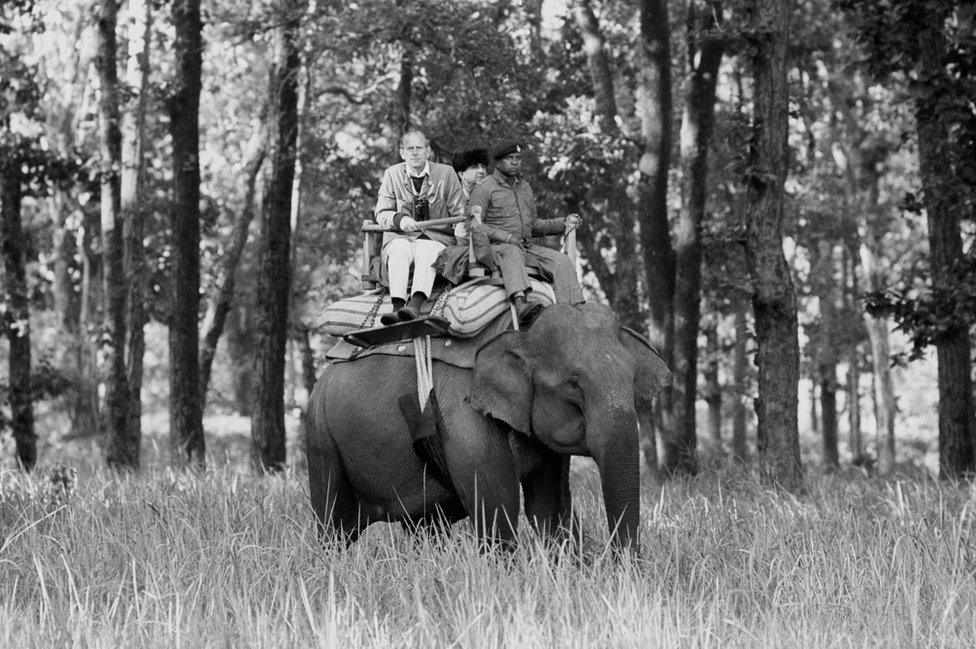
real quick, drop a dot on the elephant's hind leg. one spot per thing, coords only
(334, 502)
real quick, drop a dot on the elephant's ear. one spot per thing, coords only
(502, 382)
(651, 373)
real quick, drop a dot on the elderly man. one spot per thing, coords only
(509, 221)
(413, 191)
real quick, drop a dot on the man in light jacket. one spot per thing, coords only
(413, 191)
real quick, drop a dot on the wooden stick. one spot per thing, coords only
(422, 225)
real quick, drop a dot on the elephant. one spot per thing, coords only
(573, 383)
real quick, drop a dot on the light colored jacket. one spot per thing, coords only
(397, 197)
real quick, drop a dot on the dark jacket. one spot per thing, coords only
(508, 211)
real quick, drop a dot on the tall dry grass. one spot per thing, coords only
(225, 560)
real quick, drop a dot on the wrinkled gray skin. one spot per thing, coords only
(573, 384)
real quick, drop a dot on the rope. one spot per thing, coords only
(375, 309)
(425, 369)
(441, 303)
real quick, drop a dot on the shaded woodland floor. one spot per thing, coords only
(227, 559)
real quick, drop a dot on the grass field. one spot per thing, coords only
(227, 560)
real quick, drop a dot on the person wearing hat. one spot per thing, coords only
(509, 221)
(471, 167)
(412, 191)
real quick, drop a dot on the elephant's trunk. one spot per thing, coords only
(615, 449)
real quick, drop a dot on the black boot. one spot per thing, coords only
(412, 309)
(388, 319)
(526, 312)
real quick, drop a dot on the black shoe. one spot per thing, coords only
(388, 319)
(527, 312)
(406, 314)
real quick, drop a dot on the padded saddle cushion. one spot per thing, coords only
(469, 308)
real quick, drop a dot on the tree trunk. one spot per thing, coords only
(883, 388)
(85, 410)
(828, 410)
(240, 347)
(122, 447)
(773, 300)
(274, 275)
(697, 125)
(740, 448)
(133, 123)
(854, 406)
(957, 426)
(220, 306)
(185, 410)
(713, 389)
(404, 89)
(622, 286)
(16, 318)
(814, 416)
(654, 109)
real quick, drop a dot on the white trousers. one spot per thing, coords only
(401, 254)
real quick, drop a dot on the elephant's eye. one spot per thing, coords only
(573, 388)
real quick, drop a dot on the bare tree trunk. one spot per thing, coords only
(828, 409)
(133, 123)
(240, 347)
(713, 389)
(622, 286)
(814, 417)
(122, 448)
(86, 407)
(774, 300)
(220, 306)
(854, 406)
(186, 412)
(878, 328)
(274, 276)
(697, 125)
(740, 448)
(957, 423)
(16, 316)
(405, 89)
(654, 108)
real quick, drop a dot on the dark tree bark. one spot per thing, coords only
(740, 448)
(16, 319)
(220, 307)
(131, 181)
(773, 300)
(854, 405)
(622, 285)
(185, 410)
(828, 410)
(957, 426)
(404, 89)
(697, 126)
(274, 275)
(654, 109)
(713, 389)
(240, 347)
(122, 447)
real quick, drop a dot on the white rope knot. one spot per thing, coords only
(425, 369)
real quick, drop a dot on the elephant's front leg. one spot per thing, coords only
(480, 461)
(548, 502)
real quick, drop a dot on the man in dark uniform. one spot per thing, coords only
(509, 221)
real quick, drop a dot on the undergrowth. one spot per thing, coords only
(227, 560)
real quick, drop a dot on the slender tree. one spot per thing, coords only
(220, 306)
(16, 315)
(773, 299)
(122, 447)
(705, 50)
(131, 182)
(186, 412)
(274, 275)
(654, 109)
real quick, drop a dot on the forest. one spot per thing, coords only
(778, 194)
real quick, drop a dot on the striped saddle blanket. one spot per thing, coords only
(469, 308)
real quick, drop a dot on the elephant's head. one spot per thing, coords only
(573, 381)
